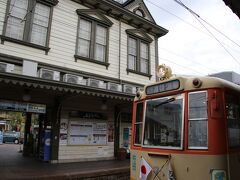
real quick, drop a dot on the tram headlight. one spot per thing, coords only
(197, 83)
(218, 174)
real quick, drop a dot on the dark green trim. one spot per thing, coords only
(144, 37)
(91, 60)
(49, 2)
(5, 38)
(140, 73)
(87, 13)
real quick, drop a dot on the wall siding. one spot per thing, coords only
(63, 44)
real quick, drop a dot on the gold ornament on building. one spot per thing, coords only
(164, 72)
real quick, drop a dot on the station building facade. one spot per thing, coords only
(76, 66)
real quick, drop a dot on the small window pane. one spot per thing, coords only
(39, 35)
(139, 112)
(15, 28)
(138, 124)
(83, 47)
(16, 21)
(138, 12)
(18, 8)
(85, 29)
(84, 38)
(198, 121)
(198, 105)
(233, 120)
(132, 48)
(131, 62)
(40, 24)
(101, 35)
(144, 66)
(138, 134)
(144, 51)
(198, 134)
(100, 52)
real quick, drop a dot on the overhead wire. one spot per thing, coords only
(185, 67)
(196, 16)
(183, 57)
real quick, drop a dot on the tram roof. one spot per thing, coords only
(186, 84)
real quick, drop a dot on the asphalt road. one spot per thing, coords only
(14, 166)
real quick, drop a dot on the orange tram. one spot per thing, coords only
(186, 128)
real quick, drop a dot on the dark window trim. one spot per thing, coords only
(137, 70)
(25, 43)
(28, 26)
(91, 60)
(134, 32)
(94, 23)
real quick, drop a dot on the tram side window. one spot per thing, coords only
(198, 120)
(138, 124)
(233, 120)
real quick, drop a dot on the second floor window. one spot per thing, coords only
(138, 55)
(28, 21)
(92, 40)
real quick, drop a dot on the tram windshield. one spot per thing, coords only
(164, 123)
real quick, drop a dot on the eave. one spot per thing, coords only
(113, 10)
(234, 5)
(39, 83)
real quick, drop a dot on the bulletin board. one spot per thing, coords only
(82, 132)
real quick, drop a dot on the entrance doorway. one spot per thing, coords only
(22, 125)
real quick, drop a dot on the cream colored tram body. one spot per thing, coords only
(187, 128)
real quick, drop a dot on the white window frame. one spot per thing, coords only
(198, 119)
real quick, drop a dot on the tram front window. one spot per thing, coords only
(164, 123)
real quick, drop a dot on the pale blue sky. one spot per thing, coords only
(192, 50)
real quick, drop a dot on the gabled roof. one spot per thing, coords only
(139, 4)
(114, 9)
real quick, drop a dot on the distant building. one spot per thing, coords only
(229, 76)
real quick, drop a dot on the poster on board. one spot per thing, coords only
(87, 133)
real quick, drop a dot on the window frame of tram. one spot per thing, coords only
(233, 119)
(138, 124)
(165, 131)
(198, 120)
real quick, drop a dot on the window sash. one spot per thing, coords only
(197, 120)
(40, 24)
(138, 55)
(92, 40)
(28, 26)
(15, 22)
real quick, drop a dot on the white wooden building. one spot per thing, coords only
(82, 62)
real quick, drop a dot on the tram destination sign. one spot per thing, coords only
(163, 87)
(22, 107)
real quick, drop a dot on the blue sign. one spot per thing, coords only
(47, 145)
(1, 137)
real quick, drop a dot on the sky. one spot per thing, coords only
(188, 48)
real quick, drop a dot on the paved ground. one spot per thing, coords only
(14, 166)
